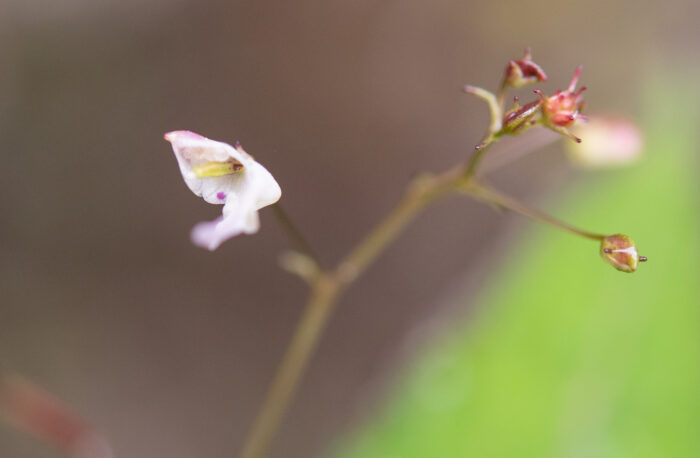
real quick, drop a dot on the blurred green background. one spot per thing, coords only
(168, 349)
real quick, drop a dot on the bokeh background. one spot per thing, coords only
(168, 349)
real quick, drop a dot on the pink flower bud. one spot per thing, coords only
(563, 108)
(519, 118)
(524, 71)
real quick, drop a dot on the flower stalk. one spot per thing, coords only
(227, 175)
(296, 238)
(328, 286)
(326, 289)
(324, 293)
(492, 196)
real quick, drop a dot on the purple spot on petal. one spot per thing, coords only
(221, 195)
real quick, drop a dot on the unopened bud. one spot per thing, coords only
(619, 251)
(519, 118)
(524, 71)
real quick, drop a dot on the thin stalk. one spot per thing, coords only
(323, 297)
(478, 155)
(490, 195)
(327, 286)
(294, 234)
(501, 96)
(495, 104)
(326, 289)
(423, 192)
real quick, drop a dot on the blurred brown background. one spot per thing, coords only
(168, 348)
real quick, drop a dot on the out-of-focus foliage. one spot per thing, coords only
(567, 357)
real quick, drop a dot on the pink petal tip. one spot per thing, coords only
(174, 135)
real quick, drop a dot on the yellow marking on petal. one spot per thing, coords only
(217, 169)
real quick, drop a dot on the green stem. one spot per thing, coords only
(421, 193)
(501, 96)
(327, 286)
(492, 196)
(495, 110)
(326, 289)
(324, 296)
(495, 104)
(478, 155)
(294, 234)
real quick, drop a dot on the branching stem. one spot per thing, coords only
(328, 285)
(490, 195)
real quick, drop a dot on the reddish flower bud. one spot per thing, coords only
(524, 71)
(563, 108)
(619, 251)
(519, 118)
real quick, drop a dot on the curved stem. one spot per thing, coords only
(327, 286)
(326, 289)
(501, 96)
(490, 195)
(495, 109)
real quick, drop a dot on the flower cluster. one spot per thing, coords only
(614, 141)
(557, 112)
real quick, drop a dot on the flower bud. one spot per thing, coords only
(619, 251)
(519, 118)
(524, 71)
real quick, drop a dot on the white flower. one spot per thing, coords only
(223, 175)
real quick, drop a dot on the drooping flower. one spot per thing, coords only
(223, 175)
(522, 72)
(563, 108)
